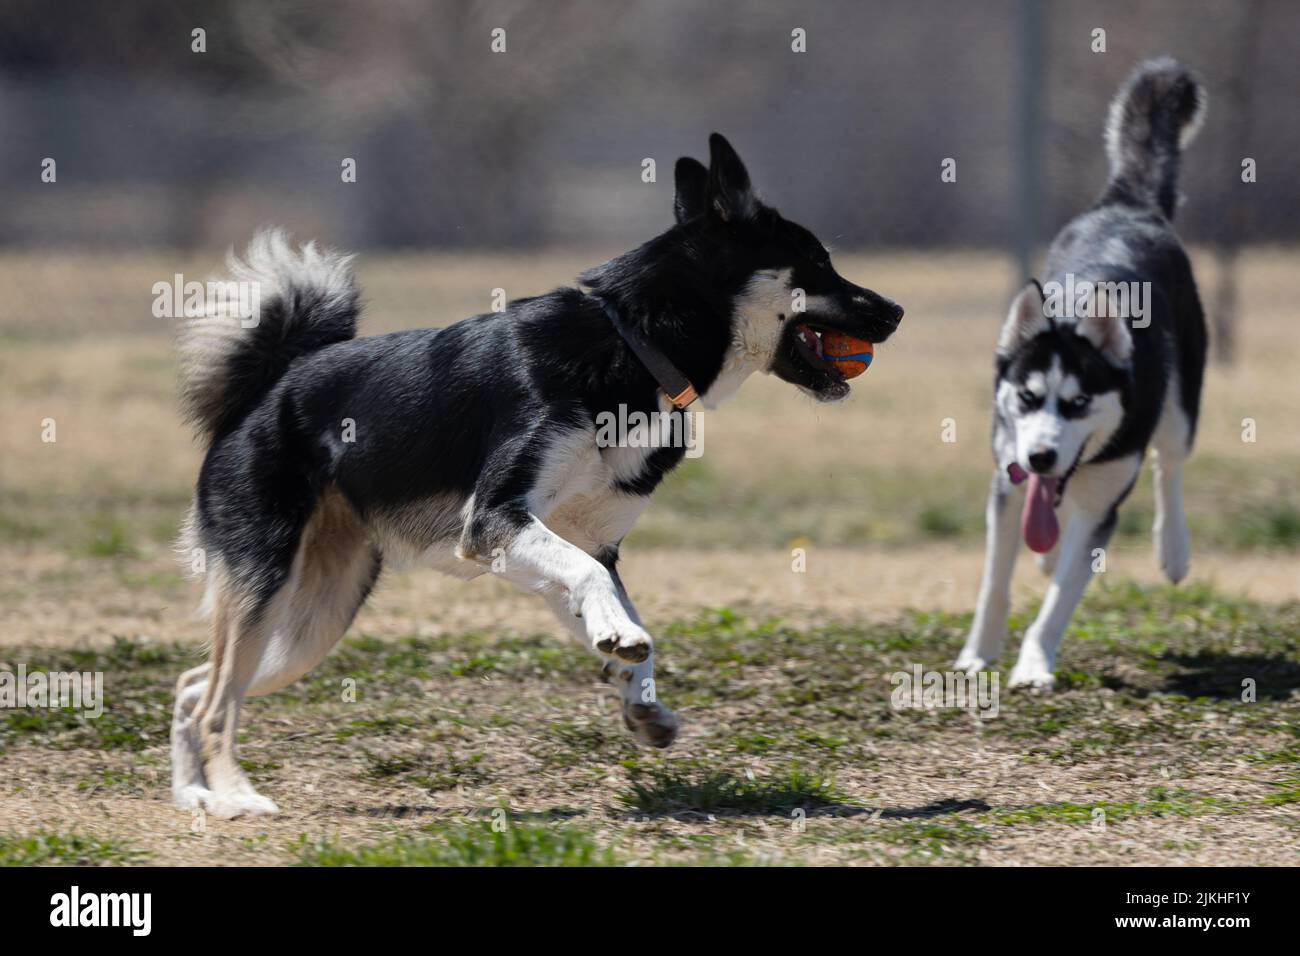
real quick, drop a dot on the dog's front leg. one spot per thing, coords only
(651, 721)
(517, 546)
(1094, 499)
(989, 628)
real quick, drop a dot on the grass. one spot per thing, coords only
(786, 723)
(64, 849)
(674, 790)
(498, 843)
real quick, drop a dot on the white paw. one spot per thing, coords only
(191, 797)
(653, 724)
(970, 662)
(612, 632)
(238, 803)
(1033, 676)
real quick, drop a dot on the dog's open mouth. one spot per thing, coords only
(809, 343)
(801, 360)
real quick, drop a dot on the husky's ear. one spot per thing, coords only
(692, 181)
(730, 196)
(1025, 320)
(1108, 332)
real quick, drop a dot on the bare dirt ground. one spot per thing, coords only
(471, 703)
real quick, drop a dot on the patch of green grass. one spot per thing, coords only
(936, 836)
(109, 538)
(1271, 524)
(64, 849)
(476, 844)
(1160, 802)
(940, 521)
(428, 772)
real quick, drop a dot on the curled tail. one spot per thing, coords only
(301, 300)
(1154, 116)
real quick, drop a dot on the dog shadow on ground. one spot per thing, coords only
(1220, 676)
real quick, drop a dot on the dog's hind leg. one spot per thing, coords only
(188, 783)
(1002, 531)
(1169, 449)
(261, 645)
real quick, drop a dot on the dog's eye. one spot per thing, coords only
(1078, 403)
(1029, 399)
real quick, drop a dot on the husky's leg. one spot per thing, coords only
(1047, 562)
(1169, 531)
(989, 629)
(1094, 498)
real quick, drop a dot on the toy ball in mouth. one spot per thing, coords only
(851, 356)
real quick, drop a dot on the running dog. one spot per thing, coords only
(474, 448)
(1094, 367)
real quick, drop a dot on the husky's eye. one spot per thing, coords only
(1077, 404)
(1029, 399)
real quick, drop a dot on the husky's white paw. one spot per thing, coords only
(1032, 676)
(970, 662)
(238, 803)
(653, 724)
(1173, 550)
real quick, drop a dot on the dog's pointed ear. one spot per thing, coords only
(1106, 326)
(1026, 319)
(731, 197)
(692, 182)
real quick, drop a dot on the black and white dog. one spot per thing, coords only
(472, 448)
(1098, 364)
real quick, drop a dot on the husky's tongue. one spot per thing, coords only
(1038, 521)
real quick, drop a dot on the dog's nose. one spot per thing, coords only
(896, 312)
(1042, 461)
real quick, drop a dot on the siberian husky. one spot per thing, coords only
(1101, 362)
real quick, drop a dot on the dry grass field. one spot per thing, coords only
(471, 703)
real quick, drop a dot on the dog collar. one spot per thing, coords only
(676, 386)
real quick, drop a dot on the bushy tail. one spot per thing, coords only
(1155, 114)
(306, 299)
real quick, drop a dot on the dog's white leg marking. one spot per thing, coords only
(538, 559)
(1172, 541)
(1002, 533)
(1169, 450)
(188, 783)
(1094, 494)
(653, 723)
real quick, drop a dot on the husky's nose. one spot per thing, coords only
(1042, 461)
(896, 312)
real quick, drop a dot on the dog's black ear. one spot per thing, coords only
(692, 181)
(730, 196)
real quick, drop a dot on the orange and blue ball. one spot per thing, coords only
(851, 356)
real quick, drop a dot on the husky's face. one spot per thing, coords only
(1060, 386)
(787, 291)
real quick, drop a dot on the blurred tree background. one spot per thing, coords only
(542, 145)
